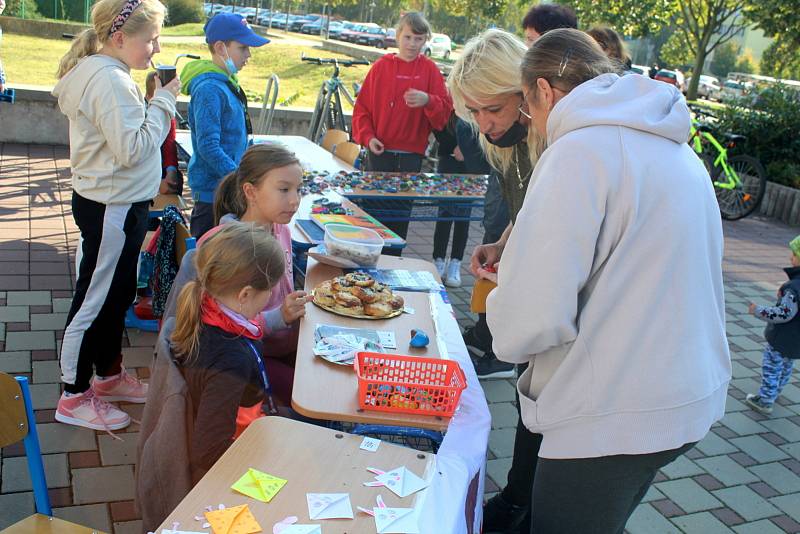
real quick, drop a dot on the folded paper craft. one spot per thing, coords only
(259, 485)
(395, 520)
(233, 520)
(329, 506)
(400, 481)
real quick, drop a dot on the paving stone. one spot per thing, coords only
(791, 393)
(504, 415)
(17, 478)
(48, 321)
(741, 424)
(712, 444)
(784, 428)
(28, 298)
(102, 484)
(92, 516)
(728, 517)
(764, 526)
(647, 520)
(133, 357)
(786, 523)
(682, 467)
(703, 522)
(746, 502)
(744, 342)
(793, 449)
(497, 470)
(116, 452)
(727, 471)
(58, 437)
(777, 476)
(140, 338)
(652, 495)
(501, 442)
(46, 372)
(14, 314)
(789, 504)
(689, 495)
(30, 341)
(739, 370)
(752, 321)
(61, 305)
(15, 362)
(498, 391)
(733, 405)
(15, 507)
(733, 329)
(759, 449)
(128, 527)
(45, 396)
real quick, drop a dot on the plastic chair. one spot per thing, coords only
(333, 138)
(348, 152)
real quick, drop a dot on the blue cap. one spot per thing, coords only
(231, 27)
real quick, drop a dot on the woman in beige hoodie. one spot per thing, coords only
(115, 141)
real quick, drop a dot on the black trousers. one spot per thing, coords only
(593, 495)
(441, 232)
(111, 237)
(202, 219)
(381, 209)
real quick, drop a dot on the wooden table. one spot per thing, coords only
(312, 156)
(313, 460)
(324, 390)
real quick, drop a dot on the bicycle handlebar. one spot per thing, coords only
(334, 61)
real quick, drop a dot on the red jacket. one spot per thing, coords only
(381, 110)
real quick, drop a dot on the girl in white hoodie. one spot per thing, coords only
(610, 285)
(115, 141)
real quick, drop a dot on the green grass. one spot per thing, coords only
(35, 61)
(184, 30)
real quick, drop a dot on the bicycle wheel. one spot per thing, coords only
(746, 197)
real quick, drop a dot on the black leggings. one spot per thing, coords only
(441, 233)
(593, 495)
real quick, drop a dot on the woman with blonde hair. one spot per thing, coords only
(486, 87)
(610, 286)
(115, 140)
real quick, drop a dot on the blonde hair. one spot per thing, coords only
(256, 162)
(89, 41)
(611, 43)
(416, 22)
(237, 256)
(488, 67)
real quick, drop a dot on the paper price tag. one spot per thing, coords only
(388, 339)
(370, 444)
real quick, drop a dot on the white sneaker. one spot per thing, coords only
(441, 265)
(88, 411)
(453, 276)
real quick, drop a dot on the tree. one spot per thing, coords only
(724, 60)
(746, 63)
(779, 19)
(629, 17)
(22, 8)
(781, 60)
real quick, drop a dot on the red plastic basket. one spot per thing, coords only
(408, 384)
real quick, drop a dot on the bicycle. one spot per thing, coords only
(328, 113)
(740, 181)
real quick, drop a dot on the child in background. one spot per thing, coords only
(783, 337)
(171, 177)
(218, 117)
(403, 99)
(217, 336)
(114, 146)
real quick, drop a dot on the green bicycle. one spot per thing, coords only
(739, 181)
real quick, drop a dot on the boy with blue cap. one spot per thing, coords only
(218, 118)
(783, 337)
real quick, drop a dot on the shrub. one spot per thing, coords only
(770, 125)
(183, 11)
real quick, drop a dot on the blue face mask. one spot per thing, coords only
(230, 66)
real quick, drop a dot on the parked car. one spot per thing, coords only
(350, 34)
(390, 39)
(371, 36)
(313, 27)
(672, 77)
(732, 89)
(641, 69)
(336, 28)
(297, 24)
(348, 30)
(438, 46)
(708, 87)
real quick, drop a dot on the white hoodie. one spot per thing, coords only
(115, 140)
(611, 281)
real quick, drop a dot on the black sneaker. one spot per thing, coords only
(489, 366)
(472, 339)
(500, 516)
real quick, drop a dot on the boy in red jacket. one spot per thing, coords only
(403, 99)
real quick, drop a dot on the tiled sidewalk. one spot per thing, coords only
(744, 477)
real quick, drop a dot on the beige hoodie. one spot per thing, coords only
(115, 139)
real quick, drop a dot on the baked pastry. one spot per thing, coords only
(358, 295)
(360, 279)
(377, 309)
(396, 302)
(346, 299)
(340, 283)
(323, 294)
(364, 294)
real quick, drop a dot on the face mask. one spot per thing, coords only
(513, 136)
(230, 66)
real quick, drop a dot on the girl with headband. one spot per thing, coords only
(115, 139)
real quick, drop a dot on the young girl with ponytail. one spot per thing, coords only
(218, 331)
(115, 140)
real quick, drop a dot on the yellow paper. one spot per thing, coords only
(233, 520)
(258, 485)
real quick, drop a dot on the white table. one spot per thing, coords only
(312, 157)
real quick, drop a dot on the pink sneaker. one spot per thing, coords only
(124, 387)
(88, 411)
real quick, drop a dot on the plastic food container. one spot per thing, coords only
(359, 245)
